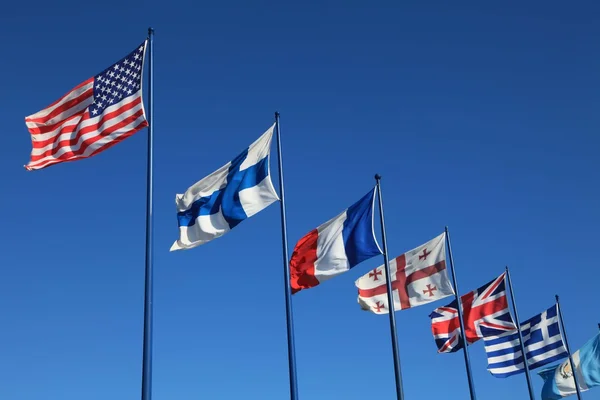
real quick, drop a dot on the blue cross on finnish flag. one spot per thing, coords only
(218, 203)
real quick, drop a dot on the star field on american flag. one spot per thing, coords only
(118, 81)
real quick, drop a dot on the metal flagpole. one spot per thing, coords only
(148, 288)
(564, 332)
(460, 318)
(525, 362)
(286, 274)
(390, 298)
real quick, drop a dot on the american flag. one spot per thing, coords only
(95, 115)
(485, 313)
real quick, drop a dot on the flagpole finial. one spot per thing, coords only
(150, 31)
(276, 114)
(556, 297)
(377, 177)
(506, 268)
(446, 229)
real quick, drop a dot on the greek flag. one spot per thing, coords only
(218, 203)
(542, 340)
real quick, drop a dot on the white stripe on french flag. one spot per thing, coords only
(336, 246)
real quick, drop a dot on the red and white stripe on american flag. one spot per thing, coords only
(95, 115)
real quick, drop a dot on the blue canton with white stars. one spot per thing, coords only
(120, 80)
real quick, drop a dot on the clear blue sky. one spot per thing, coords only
(480, 117)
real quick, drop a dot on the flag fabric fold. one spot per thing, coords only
(94, 116)
(419, 277)
(542, 340)
(336, 246)
(219, 202)
(485, 313)
(558, 380)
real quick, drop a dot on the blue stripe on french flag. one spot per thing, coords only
(336, 246)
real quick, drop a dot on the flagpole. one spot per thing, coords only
(286, 274)
(460, 318)
(525, 361)
(390, 297)
(564, 332)
(148, 286)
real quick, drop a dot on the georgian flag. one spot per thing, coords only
(419, 276)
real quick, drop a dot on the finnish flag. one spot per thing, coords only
(218, 203)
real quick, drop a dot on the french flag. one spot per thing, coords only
(336, 246)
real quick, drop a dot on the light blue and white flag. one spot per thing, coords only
(218, 203)
(558, 380)
(542, 340)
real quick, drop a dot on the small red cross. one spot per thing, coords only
(374, 274)
(430, 289)
(425, 254)
(379, 306)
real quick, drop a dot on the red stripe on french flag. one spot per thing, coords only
(302, 264)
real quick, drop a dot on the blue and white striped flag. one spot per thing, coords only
(542, 340)
(218, 203)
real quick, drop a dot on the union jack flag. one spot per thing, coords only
(95, 115)
(485, 313)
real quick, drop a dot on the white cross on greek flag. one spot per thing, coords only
(542, 341)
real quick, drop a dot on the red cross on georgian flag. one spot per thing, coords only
(418, 277)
